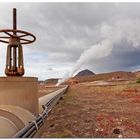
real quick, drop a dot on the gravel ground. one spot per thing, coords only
(87, 111)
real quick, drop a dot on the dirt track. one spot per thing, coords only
(96, 111)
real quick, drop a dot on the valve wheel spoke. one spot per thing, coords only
(8, 34)
(22, 35)
(4, 37)
(25, 39)
(4, 41)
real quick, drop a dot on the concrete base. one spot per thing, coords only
(20, 91)
(13, 119)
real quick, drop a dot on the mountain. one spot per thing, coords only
(107, 76)
(51, 81)
(84, 73)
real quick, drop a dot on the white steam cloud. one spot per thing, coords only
(127, 31)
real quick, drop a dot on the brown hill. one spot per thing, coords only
(118, 75)
(84, 73)
(51, 81)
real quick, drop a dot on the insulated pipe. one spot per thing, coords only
(33, 128)
(45, 99)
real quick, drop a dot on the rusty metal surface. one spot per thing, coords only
(15, 39)
(18, 95)
(18, 38)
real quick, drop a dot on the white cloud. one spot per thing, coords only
(65, 30)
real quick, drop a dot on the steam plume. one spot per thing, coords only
(127, 31)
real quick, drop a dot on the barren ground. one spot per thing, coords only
(96, 110)
(45, 90)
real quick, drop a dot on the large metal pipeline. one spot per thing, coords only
(18, 103)
(46, 103)
(45, 99)
(20, 106)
